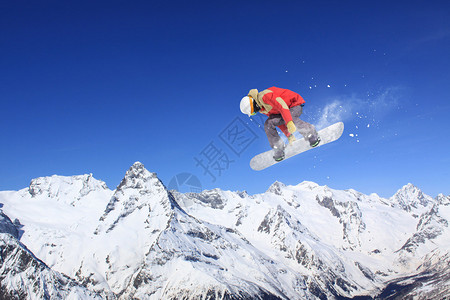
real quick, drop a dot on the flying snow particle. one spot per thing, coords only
(352, 135)
(328, 86)
(368, 125)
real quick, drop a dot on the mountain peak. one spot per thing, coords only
(408, 190)
(444, 200)
(137, 165)
(137, 170)
(411, 197)
(276, 187)
(308, 185)
(410, 187)
(65, 188)
(136, 177)
(139, 193)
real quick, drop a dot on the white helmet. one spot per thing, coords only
(247, 106)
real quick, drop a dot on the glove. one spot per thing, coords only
(291, 139)
(291, 127)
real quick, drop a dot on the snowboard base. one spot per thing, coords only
(327, 135)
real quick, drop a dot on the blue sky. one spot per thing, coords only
(93, 86)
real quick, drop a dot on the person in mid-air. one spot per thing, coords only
(283, 107)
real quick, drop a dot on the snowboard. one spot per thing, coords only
(327, 135)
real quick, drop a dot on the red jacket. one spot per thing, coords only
(276, 101)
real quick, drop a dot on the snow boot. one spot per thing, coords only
(278, 152)
(314, 142)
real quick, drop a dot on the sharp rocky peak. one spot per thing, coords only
(443, 200)
(410, 187)
(276, 188)
(140, 190)
(140, 182)
(410, 197)
(137, 177)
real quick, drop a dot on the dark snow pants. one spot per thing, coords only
(270, 126)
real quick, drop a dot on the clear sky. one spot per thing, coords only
(93, 86)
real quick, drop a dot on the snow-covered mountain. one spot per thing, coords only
(23, 276)
(142, 241)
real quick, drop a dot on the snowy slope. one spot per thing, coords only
(291, 242)
(57, 214)
(23, 276)
(366, 236)
(431, 281)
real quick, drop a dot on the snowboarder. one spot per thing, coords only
(283, 107)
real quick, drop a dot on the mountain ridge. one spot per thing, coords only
(318, 242)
